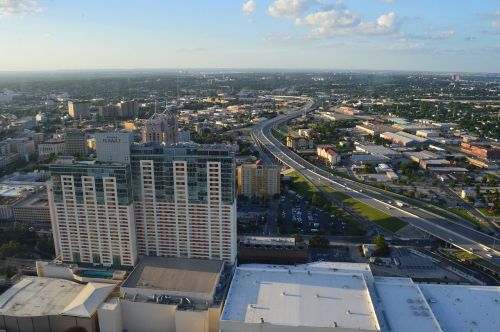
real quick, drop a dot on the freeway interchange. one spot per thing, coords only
(455, 234)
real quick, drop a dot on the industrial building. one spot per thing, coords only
(403, 138)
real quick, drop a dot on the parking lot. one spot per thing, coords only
(300, 217)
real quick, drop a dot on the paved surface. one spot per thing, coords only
(456, 234)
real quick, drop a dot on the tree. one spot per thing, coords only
(318, 241)
(381, 247)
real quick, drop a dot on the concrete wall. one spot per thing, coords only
(227, 326)
(46, 323)
(153, 317)
(110, 316)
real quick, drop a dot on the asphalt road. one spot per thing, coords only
(456, 234)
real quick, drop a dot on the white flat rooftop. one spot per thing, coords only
(404, 307)
(464, 308)
(37, 296)
(302, 296)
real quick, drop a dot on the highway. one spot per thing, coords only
(456, 234)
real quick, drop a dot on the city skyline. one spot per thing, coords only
(255, 34)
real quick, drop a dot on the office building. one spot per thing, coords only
(114, 146)
(52, 305)
(92, 213)
(78, 109)
(161, 128)
(258, 180)
(185, 200)
(75, 142)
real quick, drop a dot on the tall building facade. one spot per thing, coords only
(185, 200)
(75, 142)
(92, 213)
(161, 128)
(78, 109)
(258, 180)
(169, 200)
(122, 110)
(114, 146)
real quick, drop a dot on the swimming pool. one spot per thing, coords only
(96, 274)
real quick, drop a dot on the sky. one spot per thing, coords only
(423, 35)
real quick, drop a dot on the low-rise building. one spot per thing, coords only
(168, 294)
(326, 153)
(37, 304)
(272, 250)
(51, 146)
(297, 142)
(403, 138)
(34, 209)
(481, 150)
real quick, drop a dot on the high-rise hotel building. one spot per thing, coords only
(170, 200)
(185, 200)
(92, 213)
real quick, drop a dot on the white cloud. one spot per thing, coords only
(330, 19)
(385, 24)
(277, 37)
(446, 34)
(12, 7)
(249, 7)
(288, 8)
(495, 19)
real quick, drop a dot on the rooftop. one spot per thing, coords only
(175, 275)
(37, 296)
(464, 308)
(307, 295)
(405, 306)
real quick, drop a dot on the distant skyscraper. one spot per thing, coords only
(185, 201)
(78, 109)
(92, 213)
(161, 128)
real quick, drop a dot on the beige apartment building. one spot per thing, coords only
(258, 180)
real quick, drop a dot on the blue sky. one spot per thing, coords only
(440, 35)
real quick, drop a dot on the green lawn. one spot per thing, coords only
(464, 214)
(485, 212)
(302, 186)
(380, 218)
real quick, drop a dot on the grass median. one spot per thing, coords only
(374, 215)
(380, 218)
